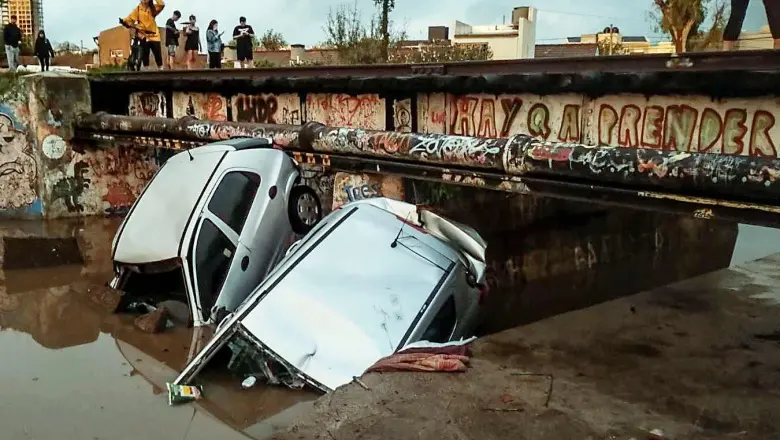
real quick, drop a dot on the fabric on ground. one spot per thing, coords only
(444, 358)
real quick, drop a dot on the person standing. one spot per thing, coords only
(737, 17)
(244, 35)
(214, 45)
(43, 50)
(192, 43)
(172, 38)
(12, 36)
(143, 20)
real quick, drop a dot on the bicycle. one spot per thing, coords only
(136, 47)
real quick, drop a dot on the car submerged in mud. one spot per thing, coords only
(371, 278)
(210, 225)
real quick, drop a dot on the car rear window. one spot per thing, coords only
(233, 198)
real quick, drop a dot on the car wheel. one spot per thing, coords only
(304, 209)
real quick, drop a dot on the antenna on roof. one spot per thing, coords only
(395, 242)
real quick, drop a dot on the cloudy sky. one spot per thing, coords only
(301, 21)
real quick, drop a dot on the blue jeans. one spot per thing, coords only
(12, 53)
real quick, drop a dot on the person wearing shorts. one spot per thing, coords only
(143, 20)
(172, 38)
(244, 34)
(192, 43)
(737, 17)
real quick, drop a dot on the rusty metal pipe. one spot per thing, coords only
(697, 174)
(187, 128)
(737, 178)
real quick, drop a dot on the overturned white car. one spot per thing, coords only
(371, 278)
(211, 225)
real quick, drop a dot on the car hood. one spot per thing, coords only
(153, 229)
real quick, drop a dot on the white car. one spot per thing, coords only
(372, 278)
(210, 225)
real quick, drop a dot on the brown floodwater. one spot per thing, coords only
(72, 370)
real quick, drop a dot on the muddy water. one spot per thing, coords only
(69, 369)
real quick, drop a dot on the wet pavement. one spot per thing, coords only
(72, 370)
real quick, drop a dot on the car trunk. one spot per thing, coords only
(349, 296)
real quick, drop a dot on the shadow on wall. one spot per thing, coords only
(548, 257)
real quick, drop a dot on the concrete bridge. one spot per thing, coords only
(573, 148)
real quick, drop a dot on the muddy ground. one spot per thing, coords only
(699, 360)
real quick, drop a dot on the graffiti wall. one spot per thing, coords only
(268, 108)
(351, 187)
(731, 126)
(150, 104)
(342, 110)
(18, 166)
(206, 106)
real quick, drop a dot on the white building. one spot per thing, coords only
(506, 41)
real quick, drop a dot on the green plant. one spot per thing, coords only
(11, 86)
(272, 40)
(356, 41)
(682, 20)
(264, 64)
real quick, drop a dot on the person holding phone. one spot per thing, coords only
(143, 20)
(214, 45)
(244, 34)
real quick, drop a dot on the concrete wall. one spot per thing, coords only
(43, 173)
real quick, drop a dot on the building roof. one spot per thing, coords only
(574, 39)
(635, 39)
(565, 50)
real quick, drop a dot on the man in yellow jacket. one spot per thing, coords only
(142, 19)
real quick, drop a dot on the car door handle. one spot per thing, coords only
(244, 263)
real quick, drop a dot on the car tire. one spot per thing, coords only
(304, 209)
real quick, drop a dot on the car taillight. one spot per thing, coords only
(272, 192)
(411, 224)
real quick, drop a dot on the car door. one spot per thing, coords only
(220, 260)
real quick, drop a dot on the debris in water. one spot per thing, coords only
(656, 434)
(183, 393)
(249, 382)
(153, 322)
(105, 297)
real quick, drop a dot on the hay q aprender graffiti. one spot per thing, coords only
(745, 127)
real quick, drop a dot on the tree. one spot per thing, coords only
(441, 52)
(384, 24)
(67, 47)
(682, 19)
(355, 41)
(272, 40)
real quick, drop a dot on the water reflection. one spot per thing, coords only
(77, 371)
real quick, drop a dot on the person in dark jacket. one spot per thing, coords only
(12, 36)
(43, 50)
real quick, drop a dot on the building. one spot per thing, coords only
(611, 42)
(29, 15)
(506, 41)
(756, 40)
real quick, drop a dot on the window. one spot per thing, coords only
(213, 255)
(443, 323)
(234, 197)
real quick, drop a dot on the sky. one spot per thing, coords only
(301, 21)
